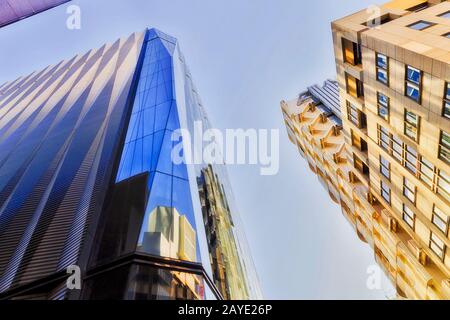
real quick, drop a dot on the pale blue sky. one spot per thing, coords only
(245, 56)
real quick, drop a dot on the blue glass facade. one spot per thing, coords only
(148, 144)
(87, 178)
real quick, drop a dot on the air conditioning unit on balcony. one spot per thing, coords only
(418, 252)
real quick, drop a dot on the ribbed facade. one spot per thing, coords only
(87, 179)
(14, 10)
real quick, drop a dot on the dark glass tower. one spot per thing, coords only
(87, 179)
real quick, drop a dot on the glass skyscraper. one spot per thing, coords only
(87, 178)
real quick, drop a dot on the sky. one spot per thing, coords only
(245, 56)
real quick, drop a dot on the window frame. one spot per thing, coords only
(430, 24)
(440, 189)
(443, 14)
(443, 146)
(407, 189)
(446, 100)
(384, 69)
(443, 249)
(415, 126)
(429, 181)
(382, 191)
(360, 123)
(387, 168)
(406, 213)
(438, 215)
(414, 85)
(381, 105)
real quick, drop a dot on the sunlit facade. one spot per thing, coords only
(87, 178)
(393, 164)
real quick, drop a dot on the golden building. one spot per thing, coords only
(389, 168)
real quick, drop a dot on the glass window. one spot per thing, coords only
(426, 172)
(355, 87)
(383, 106)
(413, 75)
(382, 76)
(413, 83)
(352, 52)
(355, 116)
(437, 246)
(411, 125)
(420, 25)
(382, 68)
(443, 185)
(408, 216)
(440, 219)
(409, 190)
(445, 15)
(446, 110)
(444, 147)
(397, 148)
(411, 159)
(384, 138)
(385, 168)
(352, 113)
(386, 192)
(413, 91)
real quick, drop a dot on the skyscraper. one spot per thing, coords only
(392, 163)
(14, 10)
(87, 178)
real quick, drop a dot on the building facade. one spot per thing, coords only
(14, 10)
(392, 168)
(88, 179)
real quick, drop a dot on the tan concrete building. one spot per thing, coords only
(392, 168)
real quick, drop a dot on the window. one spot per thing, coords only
(444, 147)
(408, 216)
(437, 246)
(440, 220)
(409, 190)
(445, 15)
(386, 192)
(446, 111)
(384, 138)
(443, 185)
(420, 25)
(397, 148)
(411, 125)
(411, 159)
(360, 166)
(383, 106)
(352, 52)
(419, 7)
(358, 142)
(385, 168)
(355, 87)
(355, 116)
(413, 83)
(382, 68)
(426, 172)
